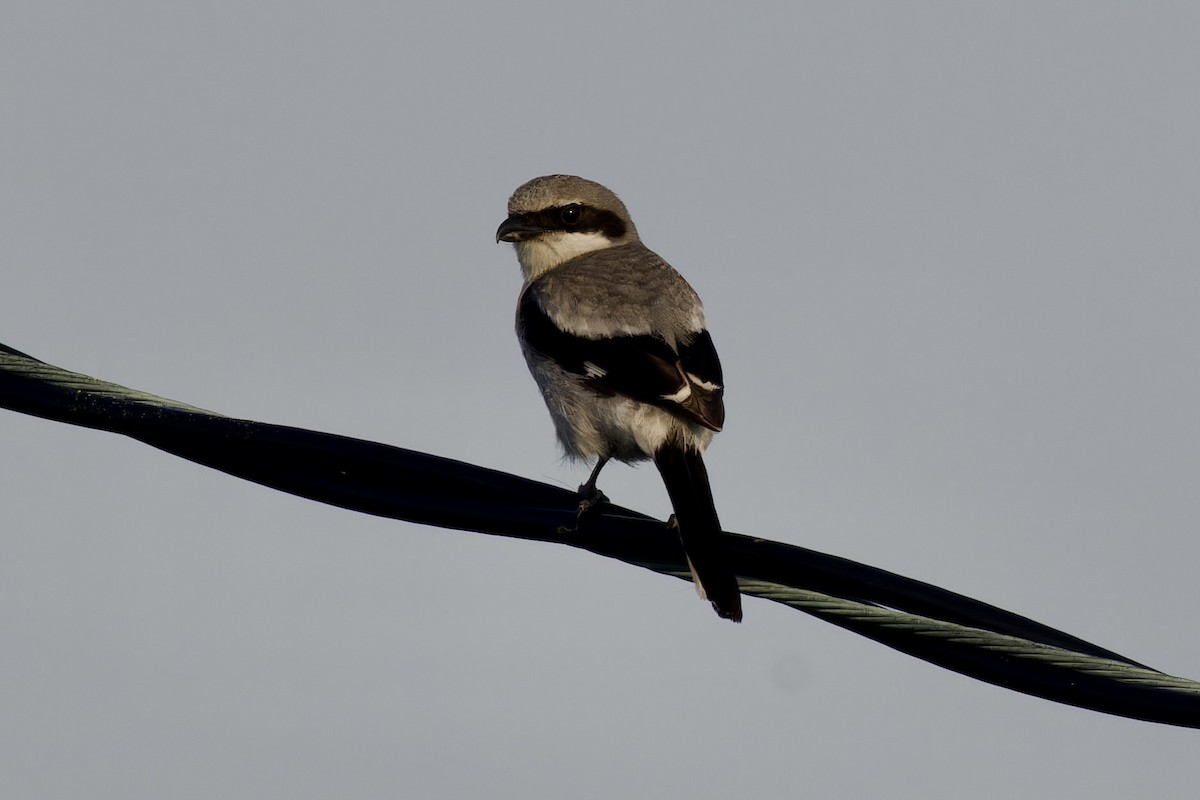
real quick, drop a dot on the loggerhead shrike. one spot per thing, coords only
(615, 339)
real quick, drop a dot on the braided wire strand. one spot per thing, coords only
(828, 607)
(18, 364)
(405, 485)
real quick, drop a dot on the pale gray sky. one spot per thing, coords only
(949, 256)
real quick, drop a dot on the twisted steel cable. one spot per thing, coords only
(925, 621)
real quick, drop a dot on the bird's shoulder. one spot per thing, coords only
(628, 290)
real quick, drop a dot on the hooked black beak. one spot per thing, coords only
(515, 229)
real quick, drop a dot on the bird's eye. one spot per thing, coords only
(570, 214)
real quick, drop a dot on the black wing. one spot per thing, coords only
(698, 358)
(644, 367)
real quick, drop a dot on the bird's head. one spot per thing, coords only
(556, 218)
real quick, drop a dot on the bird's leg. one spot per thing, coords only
(589, 497)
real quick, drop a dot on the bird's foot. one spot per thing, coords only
(589, 499)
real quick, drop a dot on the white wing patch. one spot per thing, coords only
(594, 371)
(681, 395)
(703, 384)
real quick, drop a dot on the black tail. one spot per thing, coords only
(683, 472)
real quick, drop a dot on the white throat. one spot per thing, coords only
(543, 253)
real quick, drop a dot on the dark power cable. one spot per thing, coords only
(930, 623)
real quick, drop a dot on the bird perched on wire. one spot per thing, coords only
(616, 340)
